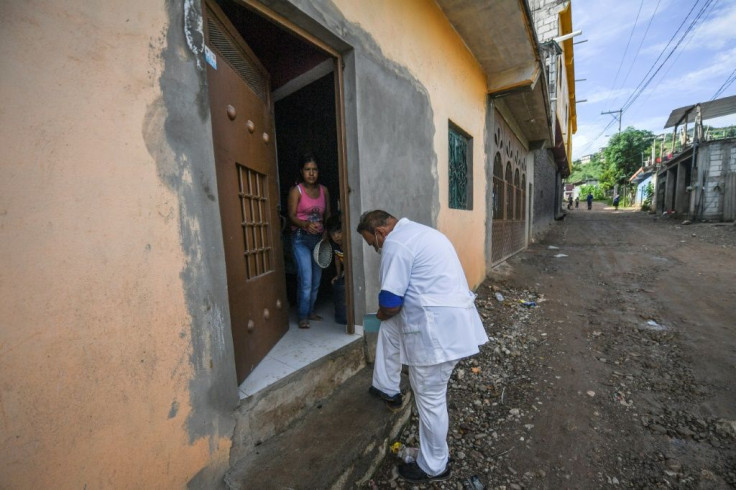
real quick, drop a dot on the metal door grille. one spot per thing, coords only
(236, 57)
(253, 193)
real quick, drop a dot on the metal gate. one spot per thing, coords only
(508, 232)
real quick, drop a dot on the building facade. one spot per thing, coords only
(149, 149)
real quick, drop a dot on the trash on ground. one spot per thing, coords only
(552, 247)
(560, 255)
(473, 483)
(528, 304)
(653, 325)
(499, 296)
(405, 453)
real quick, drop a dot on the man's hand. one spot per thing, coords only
(384, 313)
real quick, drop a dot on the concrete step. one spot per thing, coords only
(335, 442)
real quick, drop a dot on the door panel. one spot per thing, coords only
(246, 170)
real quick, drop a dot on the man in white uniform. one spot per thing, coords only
(433, 324)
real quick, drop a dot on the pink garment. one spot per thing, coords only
(309, 209)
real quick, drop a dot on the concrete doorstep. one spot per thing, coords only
(338, 443)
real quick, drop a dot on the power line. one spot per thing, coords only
(731, 78)
(626, 49)
(646, 31)
(632, 98)
(646, 81)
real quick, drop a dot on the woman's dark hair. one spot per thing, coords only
(305, 159)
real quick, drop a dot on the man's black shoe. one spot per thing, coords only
(413, 473)
(392, 401)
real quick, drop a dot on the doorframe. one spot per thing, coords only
(339, 65)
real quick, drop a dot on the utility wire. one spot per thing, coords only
(646, 81)
(674, 61)
(643, 38)
(731, 78)
(626, 49)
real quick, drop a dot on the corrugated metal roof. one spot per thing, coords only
(711, 109)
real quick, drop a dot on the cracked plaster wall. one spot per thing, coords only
(114, 348)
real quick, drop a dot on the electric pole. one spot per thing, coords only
(619, 112)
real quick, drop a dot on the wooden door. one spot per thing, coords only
(247, 174)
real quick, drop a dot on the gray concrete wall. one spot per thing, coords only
(546, 187)
(715, 160)
(183, 114)
(682, 197)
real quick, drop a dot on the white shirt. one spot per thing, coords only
(439, 319)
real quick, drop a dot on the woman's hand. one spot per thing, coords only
(313, 227)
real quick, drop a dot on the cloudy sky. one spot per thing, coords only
(649, 57)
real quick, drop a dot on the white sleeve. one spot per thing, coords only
(395, 270)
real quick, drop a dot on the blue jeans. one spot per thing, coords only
(309, 273)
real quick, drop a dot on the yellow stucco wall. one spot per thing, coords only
(417, 35)
(94, 341)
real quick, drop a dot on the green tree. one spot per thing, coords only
(598, 193)
(624, 155)
(589, 171)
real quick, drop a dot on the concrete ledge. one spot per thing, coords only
(272, 410)
(338, 443)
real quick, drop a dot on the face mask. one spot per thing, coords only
(375, 244)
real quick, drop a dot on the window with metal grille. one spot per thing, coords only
(460, 168)
(253, 193)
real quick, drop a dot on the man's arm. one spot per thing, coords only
(389, 305)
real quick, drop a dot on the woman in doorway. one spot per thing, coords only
(309, 206)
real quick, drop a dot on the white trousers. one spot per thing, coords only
(387, 366)
(429, 384)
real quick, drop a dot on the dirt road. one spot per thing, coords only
(622, 376)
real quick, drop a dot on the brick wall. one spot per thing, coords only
(544, 15)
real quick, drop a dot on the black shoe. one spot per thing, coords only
(413, 473)
(395, 401)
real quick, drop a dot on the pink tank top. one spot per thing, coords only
(309, 209)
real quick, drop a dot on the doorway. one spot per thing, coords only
(302, 116)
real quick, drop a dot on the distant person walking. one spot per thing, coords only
(590, 200)
(577, 202)
(616, 199)
(569, 201)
